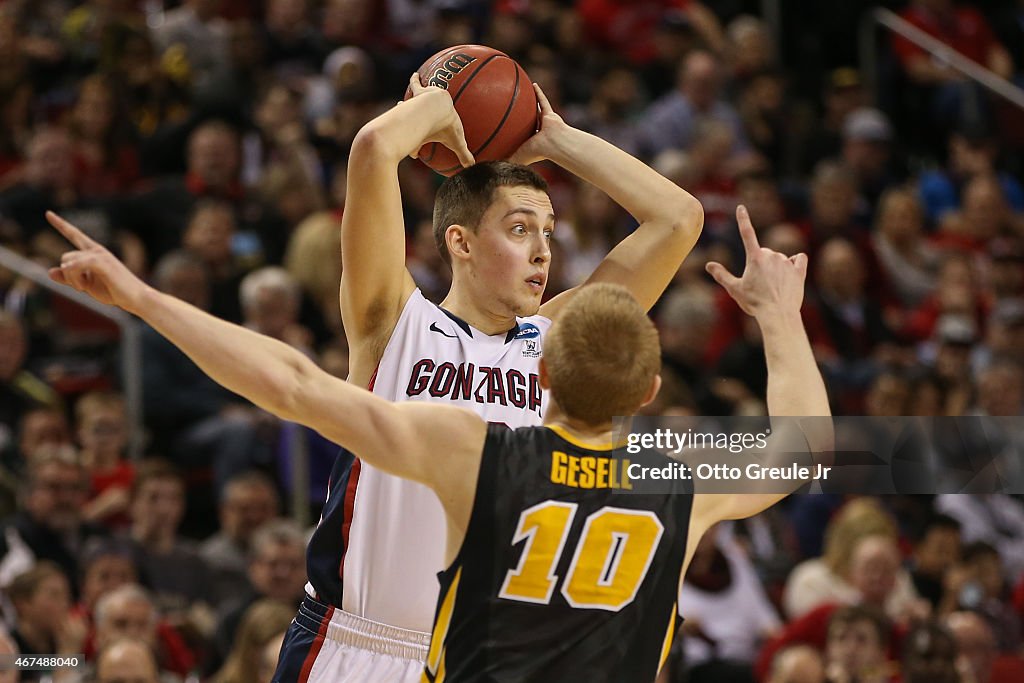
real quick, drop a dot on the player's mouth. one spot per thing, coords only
(537, 282)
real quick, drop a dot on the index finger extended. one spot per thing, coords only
(747, 232)
(78, 238)
(545, 106)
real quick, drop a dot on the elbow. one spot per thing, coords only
(687, 220)
(370, 143)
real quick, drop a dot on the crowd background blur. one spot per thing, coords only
(206, 141)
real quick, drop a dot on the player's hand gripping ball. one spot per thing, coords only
(493, 96)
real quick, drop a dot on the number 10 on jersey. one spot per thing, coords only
(609, 563)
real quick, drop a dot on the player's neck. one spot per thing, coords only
(587, 433)
(459, 304)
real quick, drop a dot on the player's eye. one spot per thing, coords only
(548, 232)
(519, 229)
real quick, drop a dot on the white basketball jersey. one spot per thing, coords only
(396, 541)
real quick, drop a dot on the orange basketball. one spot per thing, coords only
(493, 96)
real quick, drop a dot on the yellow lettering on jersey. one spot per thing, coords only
(588, 464)
(435, 655)
(545, 528)
(612, 559)
(589, 472)
(559, 462)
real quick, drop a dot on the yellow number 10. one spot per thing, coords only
(610, 562)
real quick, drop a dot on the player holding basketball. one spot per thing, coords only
(374, 558)
(548, 578)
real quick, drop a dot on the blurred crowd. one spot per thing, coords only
(205, 142)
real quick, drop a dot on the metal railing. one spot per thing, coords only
(891, 21)
(131, 349)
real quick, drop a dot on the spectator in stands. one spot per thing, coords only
(160, 215)
(209, 235)
(277, 571)
(127, 660)
(954, 99)
(196, 32)
(858, 639)
(976, 645)
(101, 424)
(995, 518)
(271, 300)
(977, 584)
(128, 612)
(613, 105)
(861, 564)
(197, 423)
(935, 554)
(868, 152)
(105, 161)
(910, 263)
(929, 656)
(293, 47)
(843, 93)
(42, 603)
(984, 216)
(855, 321)
(40, 429)
(171, 566)
(671, 122)
(248, 501)
(263, 622)
(797, 664)
(107, 564)
(49, 524)
(728, 612)
(970, 154)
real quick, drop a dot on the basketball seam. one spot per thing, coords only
(455, 98)
(508, 111)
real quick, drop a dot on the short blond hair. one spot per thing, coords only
(602, 354)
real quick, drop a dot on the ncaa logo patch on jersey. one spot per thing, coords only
(528, 331)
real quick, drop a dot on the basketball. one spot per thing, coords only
(493, 96)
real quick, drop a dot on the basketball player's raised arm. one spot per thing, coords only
(402, 439)
(670, 218)
(375, 283)
(771, 290)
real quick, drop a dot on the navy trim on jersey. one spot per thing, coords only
(509, 336)
(302, 642)
(329, 543)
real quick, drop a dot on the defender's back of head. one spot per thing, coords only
(602, 356)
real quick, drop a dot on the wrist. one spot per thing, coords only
(779, 319)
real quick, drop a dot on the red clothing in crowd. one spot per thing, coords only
(626, 26)
(120, 476)
(966, 31)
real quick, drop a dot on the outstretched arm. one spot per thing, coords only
(402, 439)
(771, 290)
(374, 282)
(670, 217)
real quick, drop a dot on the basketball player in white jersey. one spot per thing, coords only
(374, 558)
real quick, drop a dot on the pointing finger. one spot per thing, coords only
(747, 233)
(545, 106)
(70, 232)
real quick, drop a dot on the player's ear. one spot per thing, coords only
(652, 391)
(542, 375)
(456, 239)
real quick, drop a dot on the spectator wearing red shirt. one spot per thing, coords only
(962, 28)
(102, 429)
(628, 26)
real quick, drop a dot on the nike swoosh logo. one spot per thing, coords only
(435, 328)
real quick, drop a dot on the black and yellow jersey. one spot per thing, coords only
(565, 574)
